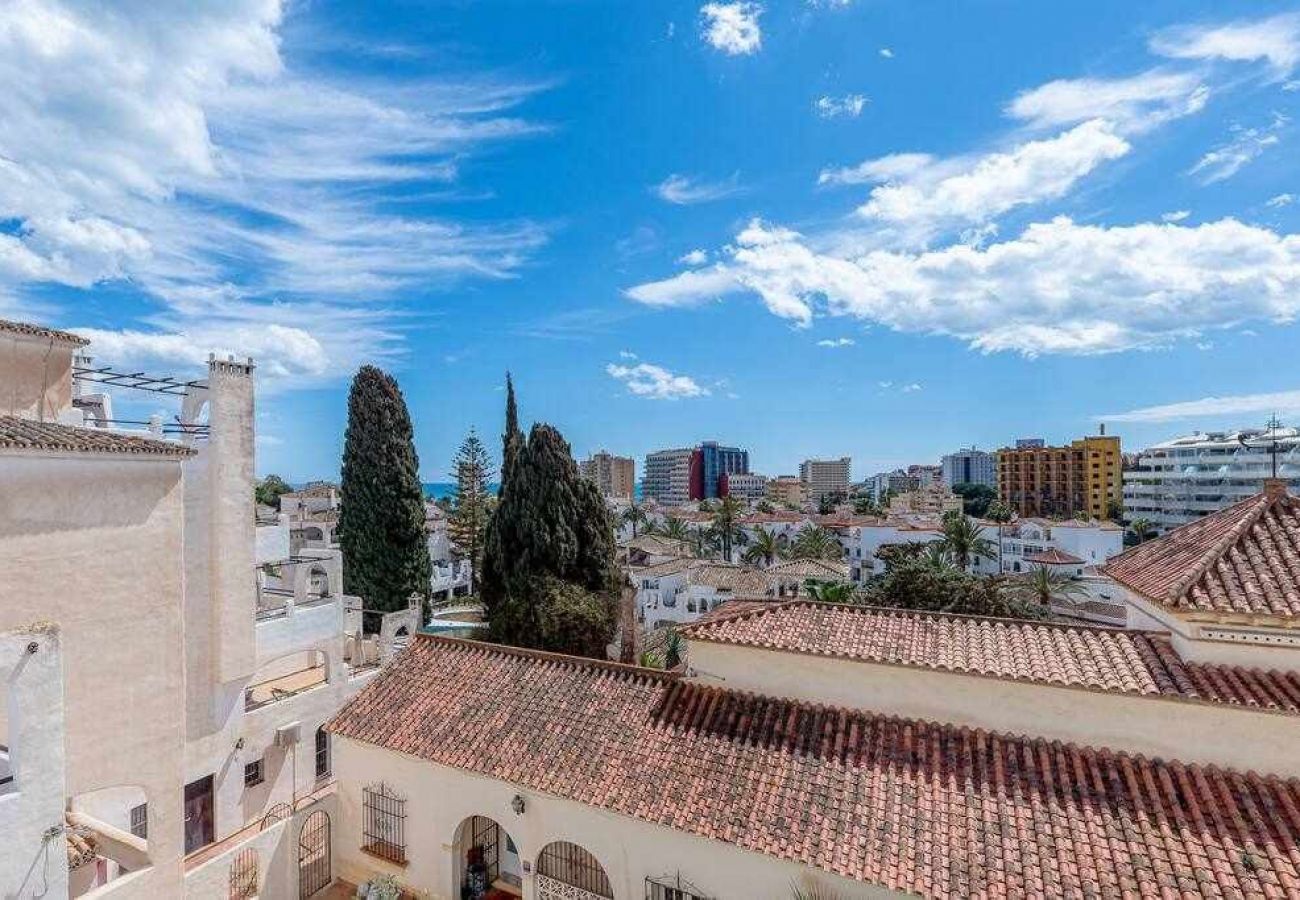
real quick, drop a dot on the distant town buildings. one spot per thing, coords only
(933, 499)
(614, 476)
(667, 476)
(747, 487)
(1183, 479)
(1059, 482)
(710, 463)
(970, 466)
(824, 477)
(886, 483)
(786, 489)
(925, 475)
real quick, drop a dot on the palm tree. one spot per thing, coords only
(635, 515)
(1045, 586)
(965, 541)
(676, 529)
(815, 542)
(674, 648)
(726, 512)
(936, 556)
(1141, 529)
(765, 548)
(829, 591)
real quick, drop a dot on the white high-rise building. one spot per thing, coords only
(970, 466)
(822, 477)
(667, 478)
(1184, 479)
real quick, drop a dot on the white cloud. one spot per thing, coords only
(176, 146)
(981, 188)
(836, 342)
(732, 27)
(626, 354)
(1131, 104)
(1059, 287)
(1292, 86)
(1275, 39)
(655, 382)
(1175, 216)
(850, 105)
(1280, 200)
(885, 168)
(886, 53)
(693, 258)
(1212, 407)
(684, 190)
(911, 388)
(885, 384)
(1245, 146)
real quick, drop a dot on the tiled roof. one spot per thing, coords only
(23, 328)
(934, 810)
(808, 568)
(1243, 561)
(740, 581)
(1105, 659)
(667, 567)
(26, 434)
(1054, 557)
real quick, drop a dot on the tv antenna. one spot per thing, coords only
(1273, 448)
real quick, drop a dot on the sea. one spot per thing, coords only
(437, 490)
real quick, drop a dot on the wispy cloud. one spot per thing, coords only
(886, 53)
(655, 382)
(850, 105)
(1132, 104)
(836, 342)
(732, 27)
(1212, 407)
(1280, 200)
(685, 190)
(179, 148)
(1177, 215)
(1276, 40)
(1245, 146)
(693, 258)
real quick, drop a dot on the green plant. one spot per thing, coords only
(270, 489)
(764, 548)
(467, 523)
(830, 591)
(1043, 586)
(815, 542)
(674, 648)
(1140, 529)
(965, 541)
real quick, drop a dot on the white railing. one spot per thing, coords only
(553, 889)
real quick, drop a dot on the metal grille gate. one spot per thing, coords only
(570, 872)
(314, 854)
(485, 833)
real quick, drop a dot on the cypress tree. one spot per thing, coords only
(381, 520)
(549, 578)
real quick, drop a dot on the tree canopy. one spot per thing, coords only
(473, 503)
(549, 579)
(975, 498)
(915, 579)
(381, 519)
(270, 489)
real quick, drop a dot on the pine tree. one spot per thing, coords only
(381, 519)
(549, 579)
(469, 516)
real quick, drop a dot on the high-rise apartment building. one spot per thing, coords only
(667, 476)
(1059, 482)
(710, 463)
(743, 486)
(970, 466)
(615, 476)
(1181, 480)
(822, 477)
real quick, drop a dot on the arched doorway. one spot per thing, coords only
(314, 855)
(487, 863)
(566, 871)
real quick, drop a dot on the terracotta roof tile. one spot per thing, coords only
(1106, 659)
(935, 810)
(1241, 561)
(38, 331)
(26, 434)
(1054, 557)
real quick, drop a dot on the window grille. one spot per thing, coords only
(253, 773)
(243, 875)
(384, 823)
(322, 753)
(140, 821)
(672, 887)
(575, 866)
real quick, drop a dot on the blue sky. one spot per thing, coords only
(865, 227)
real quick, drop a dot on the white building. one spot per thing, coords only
(970, 466)
(667, 477)
(1028, 543)
(744, 486)
(824, 477)
(165, 677)
(1186, 478)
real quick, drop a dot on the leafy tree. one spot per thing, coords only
(635, 515)
(965, 541)
(975, 498)
(829, 502)
(764, 549)
(726, 515)
(381, 519)
(473, 503)
(765, 506)
(815, 542)
(1043, 586)
(998, 512)
(1140, 529)
(865, 506)
(549, 578)
(830, 591)
(270, 489)
(676, 528)
(674, 648)
(912, 582)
